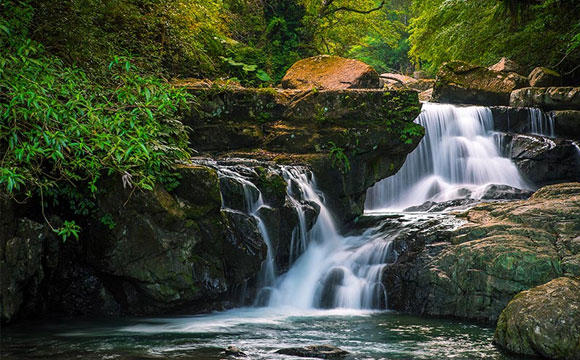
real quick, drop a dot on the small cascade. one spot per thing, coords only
(541, 123)
(254, 203)
(457, 158)
(334, 271)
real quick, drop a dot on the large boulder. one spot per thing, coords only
(550, 98)
(544, 77)
(330, 72)
(543, 321)
(460, 82)
(508, 66)
(399, 81)
(542, 160)
(162, 250)
(504, 249)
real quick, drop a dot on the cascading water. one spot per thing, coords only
(334, 271)
(254, 203)
(541, 123)
(457, 158)
(329, 270)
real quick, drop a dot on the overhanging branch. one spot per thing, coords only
(326, 11)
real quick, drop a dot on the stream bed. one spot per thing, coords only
(258, 332)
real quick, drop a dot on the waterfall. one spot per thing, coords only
(458, 157)
(328, 270)
(541, 123)
(254, 203)
(334, 271)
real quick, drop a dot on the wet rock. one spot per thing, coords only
(21, 264)
(330, 72)
(332, 282)
(543, 321)
(550, 98)
(316, 351)
(474, 271)
(505, 192)
(234, 351)
(508, 66)
(166, 250)
(544, 77)
(370, 127)
(542, 160)
(460, 82)
(566, 123)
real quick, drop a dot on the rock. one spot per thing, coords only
(330, 72)
(504, 192)
(373, 128)
(544, 77)
(474, 271)
(460, 82)
(315, 351)
(508, 66)
(566, 123)
(398, 81)
(166, 250)
(542, 160)
(21, 267)
(551, 98)
(426, 95)
(543, 321)
(420, 75)
(511, 119)
(234, 351)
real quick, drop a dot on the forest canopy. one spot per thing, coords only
(256, 40)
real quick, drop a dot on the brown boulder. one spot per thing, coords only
(508, 66)
(330, 72)
(463, 83)
(544, 77)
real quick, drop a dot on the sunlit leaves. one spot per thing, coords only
(61, 132)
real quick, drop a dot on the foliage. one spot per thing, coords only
(446, 30)
(61, 132)
(171, 36)
(339, 158)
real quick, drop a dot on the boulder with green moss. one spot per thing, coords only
(330, 72)
(543, 321)
(547, 98)
(504, 248)
(162, 250)
(463, 83)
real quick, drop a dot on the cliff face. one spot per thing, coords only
(350, 138)
(197, 246)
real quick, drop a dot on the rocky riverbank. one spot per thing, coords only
(474, 271)
(198, 246)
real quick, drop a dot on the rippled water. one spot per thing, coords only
(259, 332)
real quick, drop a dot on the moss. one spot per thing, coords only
(273, 185)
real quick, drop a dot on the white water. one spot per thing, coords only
(254, 202)
(334, 271)
(541, 123)
(457, 158)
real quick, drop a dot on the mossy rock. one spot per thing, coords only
(543, 321)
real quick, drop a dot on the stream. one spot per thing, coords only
(333, 292)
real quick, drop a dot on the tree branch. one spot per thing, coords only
(326, 11)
